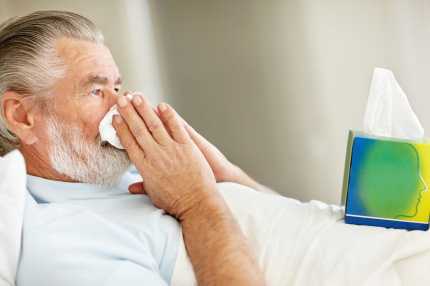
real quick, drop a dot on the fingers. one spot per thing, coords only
(153, 130)
(135, 153)
(173, 122)
(197, 138)
(135, 123)
(137, 188)
(152, 121)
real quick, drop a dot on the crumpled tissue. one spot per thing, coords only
(107, 131)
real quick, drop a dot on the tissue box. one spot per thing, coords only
(386, 182)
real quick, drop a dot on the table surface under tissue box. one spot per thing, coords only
(386, 182)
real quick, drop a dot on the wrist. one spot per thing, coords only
(209, 206)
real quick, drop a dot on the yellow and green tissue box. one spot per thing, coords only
(386, 182)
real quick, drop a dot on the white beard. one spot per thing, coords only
(87, 162)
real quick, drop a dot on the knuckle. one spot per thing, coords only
(139, 132)
(153, 125)
(169, 115)
(140, 139)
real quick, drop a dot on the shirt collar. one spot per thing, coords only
(50, 191)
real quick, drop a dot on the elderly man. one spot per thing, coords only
(82, 227)
(57, 81)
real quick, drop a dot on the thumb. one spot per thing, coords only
(137, 188)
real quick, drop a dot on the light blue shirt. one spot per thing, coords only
(83, 234)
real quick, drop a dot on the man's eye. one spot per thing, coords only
(96, 92)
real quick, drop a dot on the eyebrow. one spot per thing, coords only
(92, 79)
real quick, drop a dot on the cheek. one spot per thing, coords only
(41, 131)
(91, 119)
(91, 126)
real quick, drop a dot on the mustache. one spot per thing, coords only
(100, 142)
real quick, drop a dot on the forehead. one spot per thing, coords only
(83, 58)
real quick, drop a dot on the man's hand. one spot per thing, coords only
(177, 176)
(179, 180)
(222, 168)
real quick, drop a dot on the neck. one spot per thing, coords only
(39, 165)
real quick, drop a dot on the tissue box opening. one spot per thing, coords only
(386, 182)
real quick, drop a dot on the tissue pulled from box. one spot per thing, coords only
(388, 112)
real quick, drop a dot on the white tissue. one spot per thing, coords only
(107, 132)
(388, 112)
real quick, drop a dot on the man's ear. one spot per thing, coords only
(19, 117)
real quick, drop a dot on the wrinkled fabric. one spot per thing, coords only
(306, 244)
(82, 234)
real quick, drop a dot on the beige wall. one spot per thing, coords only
(3, 10)
(275, 84)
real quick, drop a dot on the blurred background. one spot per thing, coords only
(274, 84)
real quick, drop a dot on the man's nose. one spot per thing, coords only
(111, 98)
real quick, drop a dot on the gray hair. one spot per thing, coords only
(29, 64)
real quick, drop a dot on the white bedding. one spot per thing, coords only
(309, 244)
(296, 243)
(12, 198)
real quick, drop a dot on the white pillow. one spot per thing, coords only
(12, 200)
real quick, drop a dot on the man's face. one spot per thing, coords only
(77, 104)
(90, 86)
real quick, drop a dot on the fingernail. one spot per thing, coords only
(162, 107)
(129, 95)
(122, 101)
(137, 100)
(117, 119)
